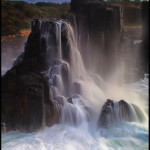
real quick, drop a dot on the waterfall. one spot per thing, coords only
(78, 93)
(73, 114)
(70, 80)
(68, 77)
(65, 90)
(58, 37)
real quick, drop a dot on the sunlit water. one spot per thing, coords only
(86, 136)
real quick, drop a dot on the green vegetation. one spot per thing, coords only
(18, 15)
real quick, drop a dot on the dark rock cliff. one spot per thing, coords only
(98, 28)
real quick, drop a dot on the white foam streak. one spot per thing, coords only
(58, 37)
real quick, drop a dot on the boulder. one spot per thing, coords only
(114, 112)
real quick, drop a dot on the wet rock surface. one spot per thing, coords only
(115, 112)
(25, 91)
(23, 101)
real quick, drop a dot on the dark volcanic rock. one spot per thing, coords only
(106, 115)
(115, 112)
(25, 102)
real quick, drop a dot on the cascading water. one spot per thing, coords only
(58, 36)
(63, 71)
(80, 95)
(75, 73)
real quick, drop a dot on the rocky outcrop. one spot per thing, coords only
(23, 102)
(114, 112)
(26, 103)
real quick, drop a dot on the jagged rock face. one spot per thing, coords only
(25, 102)
(34, 58)
(114, 112)
(25, 91)
(25, 87)
(96, 26)
(22, 101)
(36, 45)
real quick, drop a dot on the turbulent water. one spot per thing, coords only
(78, 129)
(126, 136)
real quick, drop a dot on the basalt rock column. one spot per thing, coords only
(98, 28)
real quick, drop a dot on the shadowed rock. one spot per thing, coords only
(23, 101)
(114, 112)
